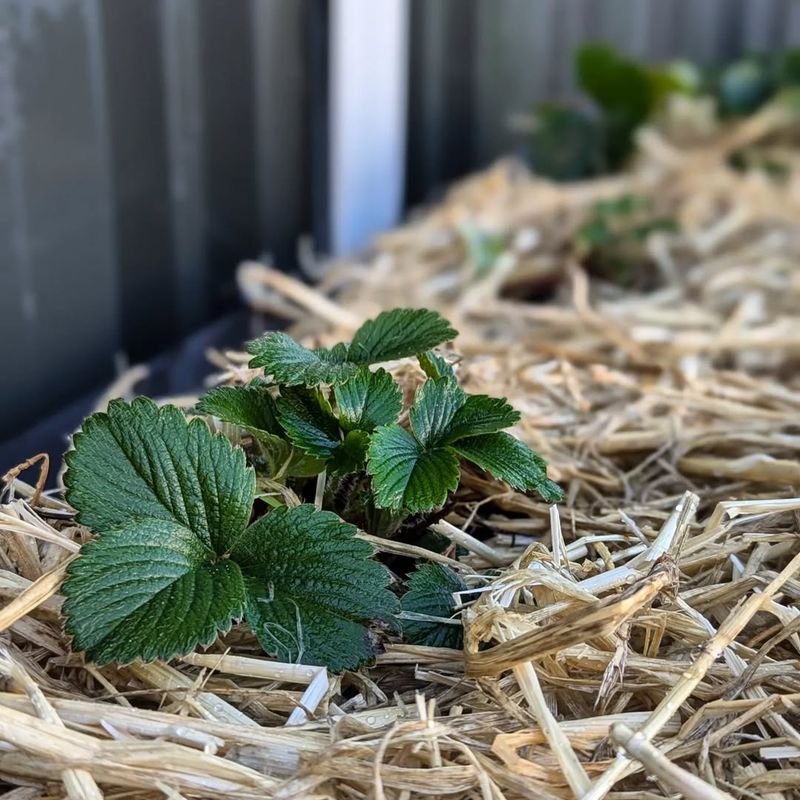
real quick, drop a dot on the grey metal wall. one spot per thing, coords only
(476, 62)
(146, 146)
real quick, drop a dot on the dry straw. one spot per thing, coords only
(640, 641)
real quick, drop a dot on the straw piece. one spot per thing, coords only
(735, 622)
(251, 273)
(403, 549)
(605, 618)
(207, 704)
(690, 786)
(459, 537)
(253, 667)
(35, 595)
(78, 782)
(317, 689)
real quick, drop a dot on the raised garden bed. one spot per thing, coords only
(659, 596)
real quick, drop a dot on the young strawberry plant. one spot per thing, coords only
(186, 545)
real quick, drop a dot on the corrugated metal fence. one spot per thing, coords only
(146, 147)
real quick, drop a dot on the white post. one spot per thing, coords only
(368, 73)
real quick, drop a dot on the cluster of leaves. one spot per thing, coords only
(746, 84)
(333, 408)
(611, 241)
(569, 143)
(185, 548)
(176, 562)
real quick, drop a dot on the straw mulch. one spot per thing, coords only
(642, 639)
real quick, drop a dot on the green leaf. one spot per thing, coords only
(613, 81)
(351, 454)
(510, 460)
(406, 475)
(308, 422)
(788, 67)
(175, 564)
(277, 452)
(140, 462)
(368, 400)
(392, 334)
(595, 232)
(435, 366)
(435, 405)
(628, 93)
(167, 499)
(483, 247)
(414, 470)
(744, 86)
(397, 334)
(312, 587)
(430, 593)
(565, 144)
(481, 414)
(149, 591)
(291, 364)
(251, 407)
(303, 466)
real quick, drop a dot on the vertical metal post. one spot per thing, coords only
(368, 68)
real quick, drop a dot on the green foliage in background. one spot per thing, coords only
(611, 241)
(569, 143)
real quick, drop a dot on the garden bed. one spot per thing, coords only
(661, 596)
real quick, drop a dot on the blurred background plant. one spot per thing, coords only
(569, 141)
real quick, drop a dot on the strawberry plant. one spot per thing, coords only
(187, 545)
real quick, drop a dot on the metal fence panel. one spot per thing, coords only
(145, 149)
(58, 260)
